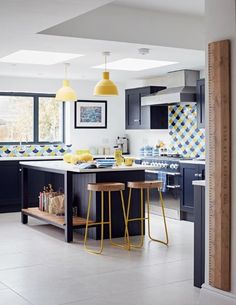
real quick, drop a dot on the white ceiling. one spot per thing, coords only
(23, 19)
(192, 7)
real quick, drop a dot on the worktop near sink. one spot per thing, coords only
(45, 158)
(31, 158)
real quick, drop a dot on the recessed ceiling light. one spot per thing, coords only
(38, 57)
(136, 64)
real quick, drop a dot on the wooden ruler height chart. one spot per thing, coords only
(219, 164)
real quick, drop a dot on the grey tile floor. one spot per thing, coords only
(37, 267)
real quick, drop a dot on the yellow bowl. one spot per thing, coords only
(129, 161)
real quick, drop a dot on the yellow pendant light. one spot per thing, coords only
(105, 86)
(66, 93)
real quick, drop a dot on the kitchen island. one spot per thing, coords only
(73, 182)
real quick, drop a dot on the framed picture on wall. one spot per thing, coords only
(90, 114)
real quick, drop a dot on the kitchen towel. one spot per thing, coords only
(162, 177)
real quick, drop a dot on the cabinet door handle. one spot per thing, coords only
(200, 175)
(136, 120)
(20, 170)
(196, 175)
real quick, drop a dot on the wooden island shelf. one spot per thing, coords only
(55, 220)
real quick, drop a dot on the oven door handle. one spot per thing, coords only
(158, 172)
(173, 186)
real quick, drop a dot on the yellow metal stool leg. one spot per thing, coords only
(126, 235)
(141, 219)
(164, 218)
(127, 218)
(87, 221)
(102, 222)
(97, 223)
(110, 221)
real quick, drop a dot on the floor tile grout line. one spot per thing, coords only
(3, 285)
(17, 293)
(132, 291)
(135, 267)
(20, 267)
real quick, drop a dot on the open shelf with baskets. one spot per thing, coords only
(58, 221)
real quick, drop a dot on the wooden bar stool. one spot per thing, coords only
(105, 187)
(146, 185)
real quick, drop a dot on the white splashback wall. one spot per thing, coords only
(139, 138)
(80, 138)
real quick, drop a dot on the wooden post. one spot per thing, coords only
(219, 165)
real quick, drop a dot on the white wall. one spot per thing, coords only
(80, 138)
(84, 138)
(220, 25)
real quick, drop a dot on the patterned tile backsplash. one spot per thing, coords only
(34, 150)
(186, 138)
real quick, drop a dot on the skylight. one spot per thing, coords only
(135, 64)
(38, 57)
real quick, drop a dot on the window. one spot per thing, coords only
(30, 118)
(16, 119)
(50, 120)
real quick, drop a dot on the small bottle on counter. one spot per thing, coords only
(118, 156)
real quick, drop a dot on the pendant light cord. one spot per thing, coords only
(105, 63)
(66, 70)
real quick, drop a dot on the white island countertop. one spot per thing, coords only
(61, 166)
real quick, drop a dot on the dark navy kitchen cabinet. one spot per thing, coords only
(188, 173)
(146, 117)
(199, 236)
(9, 186)
(201, 103)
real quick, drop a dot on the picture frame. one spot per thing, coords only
(90, 114)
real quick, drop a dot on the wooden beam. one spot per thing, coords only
(219, 165)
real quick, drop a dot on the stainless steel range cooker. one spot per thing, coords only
(167, 169)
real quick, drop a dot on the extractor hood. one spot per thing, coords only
(181, 89)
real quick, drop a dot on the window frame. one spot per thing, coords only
(36, 97)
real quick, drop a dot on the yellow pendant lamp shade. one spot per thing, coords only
(66, 93)
(105, 87)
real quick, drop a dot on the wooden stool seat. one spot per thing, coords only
(145, 184)
(106, 187)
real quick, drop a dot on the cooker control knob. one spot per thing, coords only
(158, 165)
(152, 164)
(175, 166)
(172, 166)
